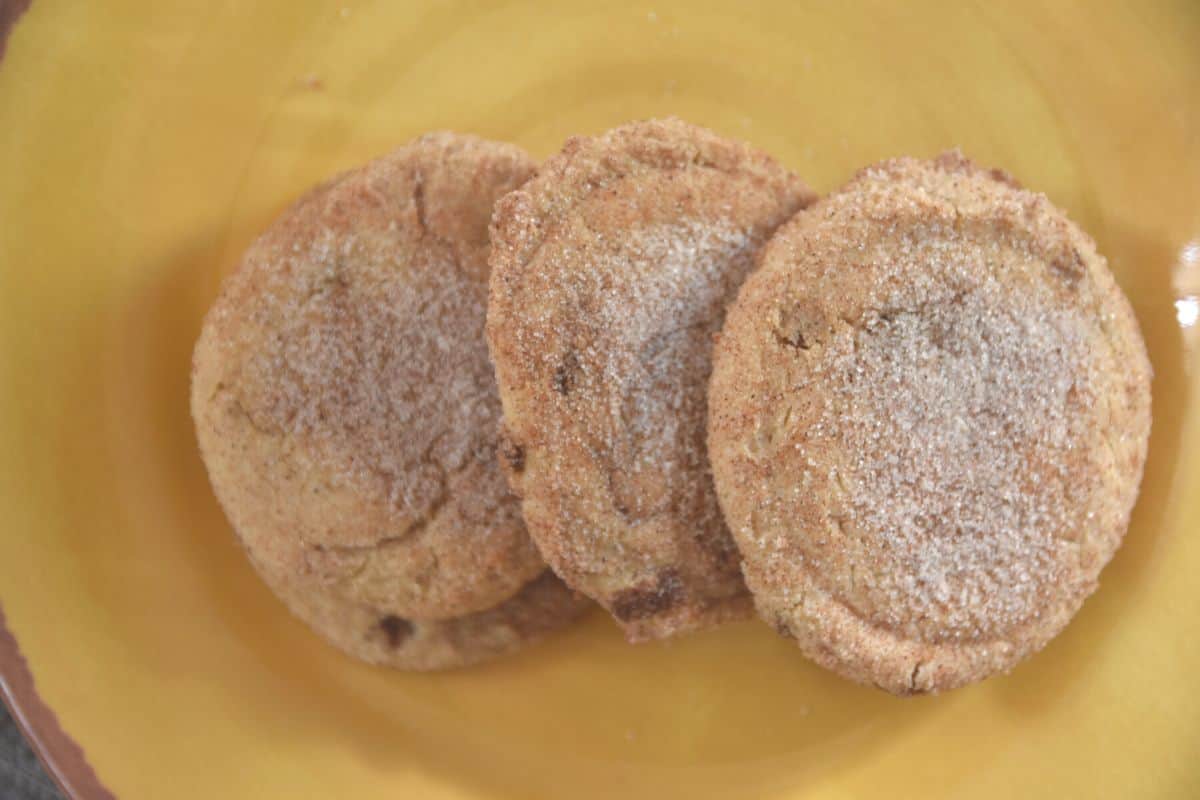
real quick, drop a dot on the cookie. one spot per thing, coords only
(346, 409)
(928, 418)
(611, 270)
(377, 636)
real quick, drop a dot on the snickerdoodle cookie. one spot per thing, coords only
(928, 419)
(347, 412)
(611, 270)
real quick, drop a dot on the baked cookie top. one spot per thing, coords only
(343, 396)
(928, 419)
(611, 270)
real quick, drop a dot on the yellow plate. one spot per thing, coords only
(142, 145)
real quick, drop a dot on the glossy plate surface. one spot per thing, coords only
(142, 145)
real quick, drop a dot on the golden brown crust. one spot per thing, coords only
(929, 414)
(610, 272)
(344, 401)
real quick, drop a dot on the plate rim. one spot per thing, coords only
(60, 755)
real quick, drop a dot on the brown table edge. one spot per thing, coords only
(10, 10)
(62, 757)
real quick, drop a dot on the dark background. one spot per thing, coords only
(21, 774)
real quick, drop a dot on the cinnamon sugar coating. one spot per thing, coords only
(347, 412)
(928, 419)
(611, 270)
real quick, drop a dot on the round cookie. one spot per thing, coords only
(610, 274)
(928, 418)
(346, 408)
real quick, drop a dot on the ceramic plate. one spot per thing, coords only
(142, 146)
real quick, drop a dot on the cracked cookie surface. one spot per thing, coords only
(928, 419)
(610, 274)
(345, 404)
